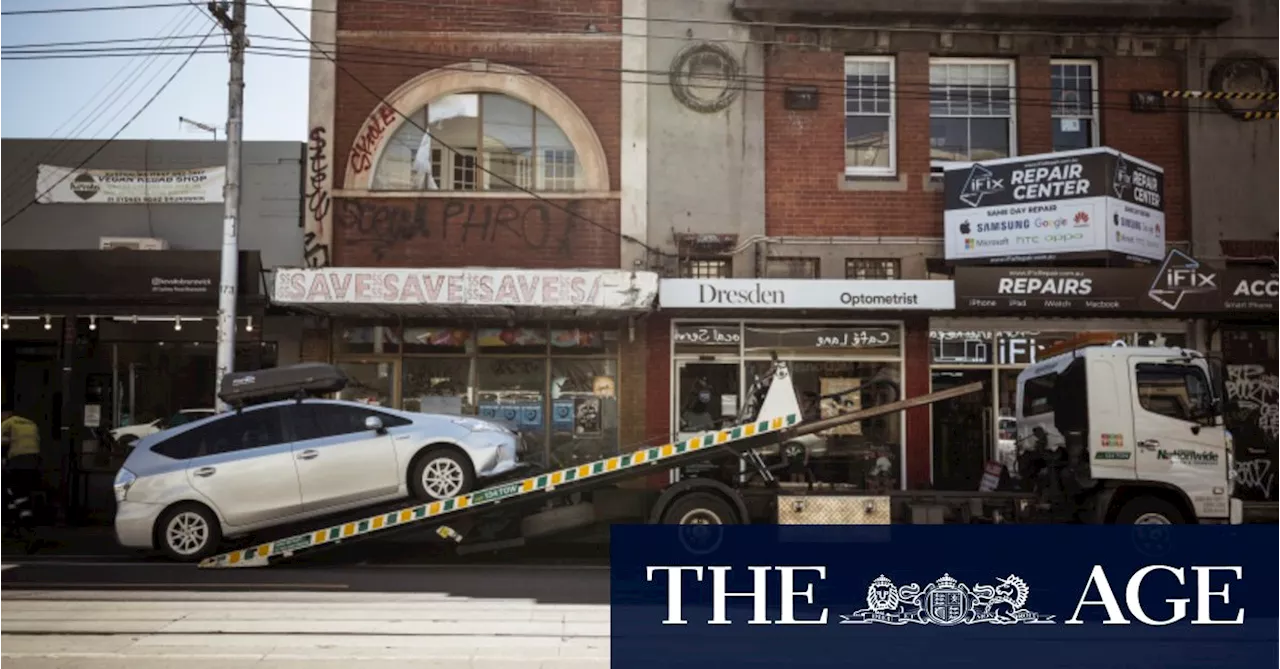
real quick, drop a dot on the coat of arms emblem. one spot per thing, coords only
(947, 602)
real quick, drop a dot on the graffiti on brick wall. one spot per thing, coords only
(317, 236)
(370, 137)
(534, 226)
(1252, 419)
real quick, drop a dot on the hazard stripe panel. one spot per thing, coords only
(1222, 95)
(260, 555)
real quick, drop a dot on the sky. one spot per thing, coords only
(92, 98)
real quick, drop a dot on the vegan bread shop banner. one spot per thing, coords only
(1179, 285)
(604, 289)
(97, 280)
(1092, 202)
(869, 295)
(65, 185)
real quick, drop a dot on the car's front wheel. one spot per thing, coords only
(188, 533)
(441, 473)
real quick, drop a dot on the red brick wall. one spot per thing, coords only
(657, 387)
(490, 232)
(804, 150)
(577, 67)
(481, 15)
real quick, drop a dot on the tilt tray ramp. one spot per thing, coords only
(780, 417)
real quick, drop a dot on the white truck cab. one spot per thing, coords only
(1139, 431)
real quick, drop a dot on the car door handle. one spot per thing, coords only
(205, 471)
(308, 454)
(1149, 443)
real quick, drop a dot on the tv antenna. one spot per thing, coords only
(201, 126)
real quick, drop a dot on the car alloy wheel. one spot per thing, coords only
(187, 533)
(443, 478)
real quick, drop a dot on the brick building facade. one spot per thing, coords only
(463, 242)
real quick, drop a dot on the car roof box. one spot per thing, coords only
(278, 383)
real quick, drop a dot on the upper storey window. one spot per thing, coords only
(479, 142)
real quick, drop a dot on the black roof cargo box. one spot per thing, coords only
(278, 383)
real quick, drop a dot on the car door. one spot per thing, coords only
(339, 460)
(1174, 444)
(245, 467)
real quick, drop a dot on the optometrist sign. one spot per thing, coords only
(868, 295)
(1055, 205)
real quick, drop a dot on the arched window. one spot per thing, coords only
(479, 142)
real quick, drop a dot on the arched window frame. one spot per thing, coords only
(420, 91)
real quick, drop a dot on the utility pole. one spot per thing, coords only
(228, 287)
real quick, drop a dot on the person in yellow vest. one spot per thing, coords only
(19, 447)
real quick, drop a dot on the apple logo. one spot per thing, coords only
(964, 228)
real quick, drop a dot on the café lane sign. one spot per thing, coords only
(1091, 202)
(836, 294)
(1179, 285)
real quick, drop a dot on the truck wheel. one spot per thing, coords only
(699, 508)
(1149, 511)
(439, 474)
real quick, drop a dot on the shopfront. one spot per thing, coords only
(846, 343)
(100, 340)
(541, 350)
(1014, 312)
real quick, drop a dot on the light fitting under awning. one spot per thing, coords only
(466, 293)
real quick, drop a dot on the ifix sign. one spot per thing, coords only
(467, 287)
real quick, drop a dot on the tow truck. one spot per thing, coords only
(1094, 449)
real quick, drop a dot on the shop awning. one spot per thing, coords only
(471, 292)
(124, 282)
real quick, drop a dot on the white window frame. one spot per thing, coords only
(892, 169)
(936, 166)
(1095, 138)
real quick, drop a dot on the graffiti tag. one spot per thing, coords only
(530, 225)
(1254, 391)
(1255, 475)
(370, 137)
(315, 243)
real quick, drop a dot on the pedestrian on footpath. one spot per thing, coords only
(22, 474)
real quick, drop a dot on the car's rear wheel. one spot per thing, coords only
(188, 533)
(441, 473)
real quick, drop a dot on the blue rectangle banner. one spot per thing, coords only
(991, 596)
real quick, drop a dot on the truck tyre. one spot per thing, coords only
(1149, 511)
(440, 473)
(699, 508)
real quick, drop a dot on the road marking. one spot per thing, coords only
(148, 586)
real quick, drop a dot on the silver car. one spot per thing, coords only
(185, 489)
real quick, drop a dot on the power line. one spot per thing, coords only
(677, 20)
(903, 91)
(122, 40)
(108, 141)
(108, 102)
(478, 165)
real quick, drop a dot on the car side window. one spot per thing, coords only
(183, 446)
(244, 431)
(315, 421)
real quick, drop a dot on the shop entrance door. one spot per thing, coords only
(963, 436)
(707, 396)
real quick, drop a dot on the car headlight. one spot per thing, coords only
(124, 481)
(480, 425)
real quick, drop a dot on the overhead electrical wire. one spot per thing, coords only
(117, 93)
(111, 139)
(365, 55)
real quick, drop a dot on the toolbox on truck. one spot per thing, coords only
(266, 385)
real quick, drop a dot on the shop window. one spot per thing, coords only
(479, 142)
(706, 268)
(1037, 395)
(369, 382)
(869, 133)
(872, 268)
(835, 340)
(971, 110)
(864, 454)
(708, 338)
(1074, 104)
(437, 339)
(1176, 391)
(791, 268)
(960, 347)
(519, 340)
(512, 391)
(367, 339)
(583, 341)
(437, 385)
(584, 410)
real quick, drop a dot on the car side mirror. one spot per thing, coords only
(374, 423)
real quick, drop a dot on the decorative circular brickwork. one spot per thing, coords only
(706, 77)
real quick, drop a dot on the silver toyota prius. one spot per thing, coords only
(185, 489)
